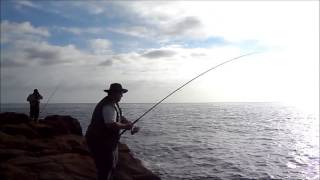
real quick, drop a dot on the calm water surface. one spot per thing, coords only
(216, 140)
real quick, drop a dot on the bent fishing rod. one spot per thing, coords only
(201, 74)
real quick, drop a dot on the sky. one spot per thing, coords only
(72, 50)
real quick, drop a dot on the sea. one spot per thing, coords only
(204, 141)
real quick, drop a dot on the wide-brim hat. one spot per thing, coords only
(115, 87)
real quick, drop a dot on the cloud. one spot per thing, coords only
(94, 7)
(161, 21)
(45, 55)
(23, 3)
(123, 29)
(198, 54)
(233, 21)
(27, 45)
(41, 53)
(168, 63)
(134, 30)
(7, 61)
(14, 31)
(186, 26)
(170, 21)
(244, 25)
(165, 21)
(24, 53)
(101, 46)
(82, 30)
(182, 28)
(107, 62)
(161, 53)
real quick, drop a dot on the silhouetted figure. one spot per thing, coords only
(34, 100)
(103, 132)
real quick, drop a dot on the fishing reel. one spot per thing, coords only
(135, 130)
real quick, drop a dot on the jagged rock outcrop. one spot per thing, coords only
(55, 149)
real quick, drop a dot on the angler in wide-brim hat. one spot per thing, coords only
(103, 133)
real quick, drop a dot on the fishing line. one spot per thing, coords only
(201, 74)
(51, 95)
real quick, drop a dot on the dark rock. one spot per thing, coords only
(55, 149)
(130, 168)
(60, 166)
(6, 154)
(42, 151)
(13, 118)
(44, 130)
(12, 142)
(19, 129)
(64, 124)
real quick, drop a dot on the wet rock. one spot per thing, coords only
(130, 168)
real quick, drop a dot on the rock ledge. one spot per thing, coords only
(55, 149)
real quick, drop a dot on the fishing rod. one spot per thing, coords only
(201, 74)
(51, 95)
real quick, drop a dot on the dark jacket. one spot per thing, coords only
(34, 99)
(98, 134)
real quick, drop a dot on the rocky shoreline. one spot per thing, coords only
(55, 149)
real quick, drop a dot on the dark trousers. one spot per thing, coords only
(103, 158)
(34, 111)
